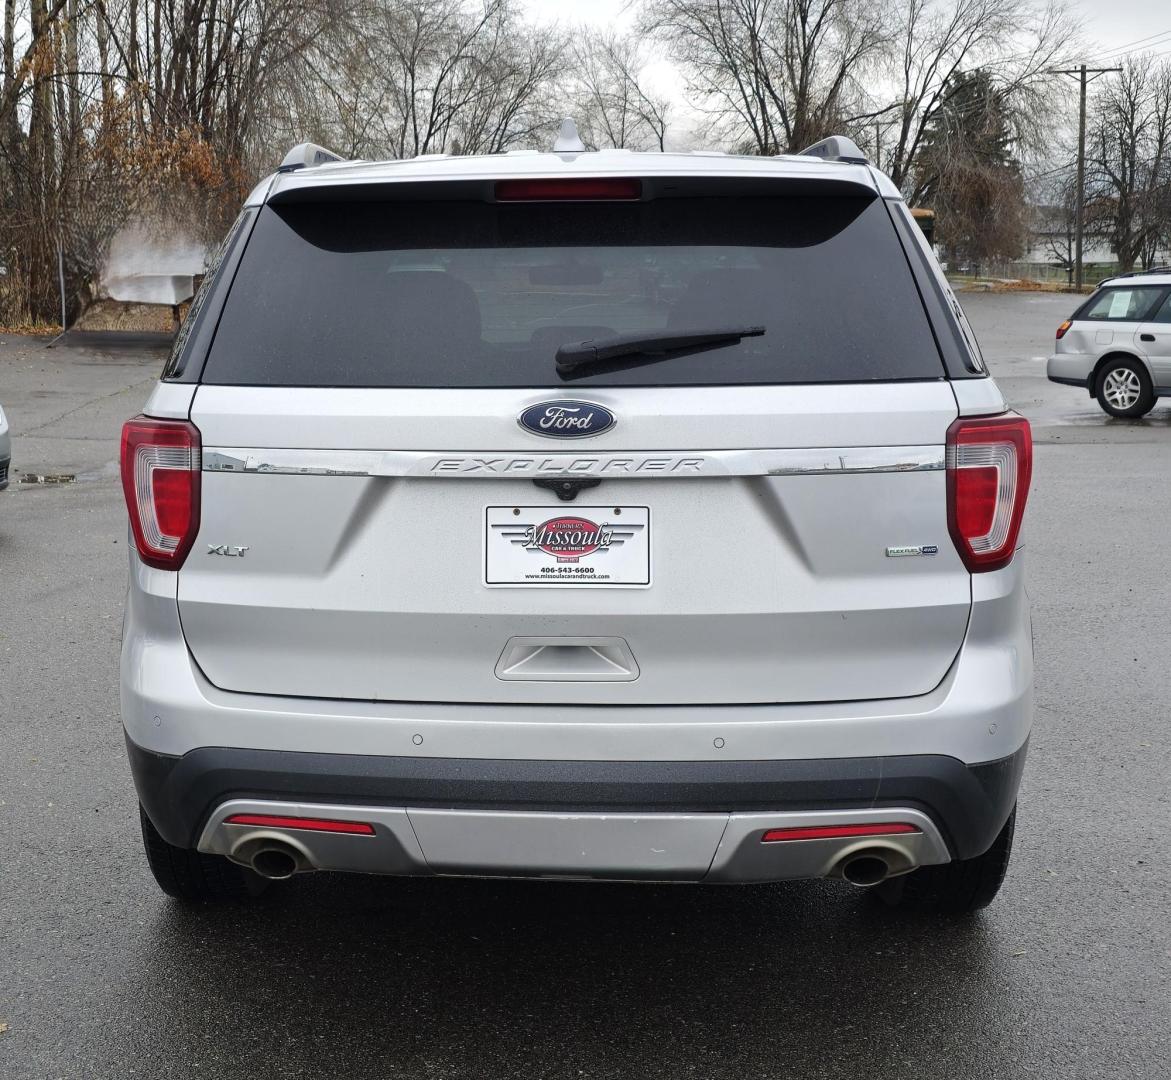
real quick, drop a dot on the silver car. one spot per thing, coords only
(1118, 343)
(583, 516)
(5, 450)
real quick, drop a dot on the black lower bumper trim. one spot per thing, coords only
(970, 803)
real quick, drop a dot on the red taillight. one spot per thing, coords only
(583, 190)
(1062, 329)
(160, 479)
(278, 821)
(838, 832)
(989, 465)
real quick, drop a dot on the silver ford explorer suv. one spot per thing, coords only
(580, 516)
(1117, 345)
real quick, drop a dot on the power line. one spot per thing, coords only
(1140, 43)
(1159, 41)
(1128, 46)
(1143, 53)
(1032, 178)
(1136, 53)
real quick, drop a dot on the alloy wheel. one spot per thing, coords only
(1121, 388)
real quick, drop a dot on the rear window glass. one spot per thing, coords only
(1125, 305)
(467, 294)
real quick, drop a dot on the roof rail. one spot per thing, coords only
(836, 148)
(1166, 269)
(307, 155)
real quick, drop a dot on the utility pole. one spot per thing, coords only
(879, 127)
(1081, 73)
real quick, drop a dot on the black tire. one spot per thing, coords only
(1121, 370)
(194, 877)
(955, 888)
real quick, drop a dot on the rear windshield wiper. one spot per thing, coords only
(654, 346)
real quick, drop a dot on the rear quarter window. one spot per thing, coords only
(480, 294)
(1121, 304)
(202, 309)
(1163, 311)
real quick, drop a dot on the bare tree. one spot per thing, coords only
(776, 75)
(440, 76)
(772, 75)
(1128, 166)
(109, 105)
(20, 64)
(169, 110)
(968, 172)
(608, 96)
(1053, 201)
(933, 41)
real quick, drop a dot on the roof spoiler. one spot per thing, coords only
(307, 155)
(836, 148)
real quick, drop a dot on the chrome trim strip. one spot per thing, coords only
(788, 462)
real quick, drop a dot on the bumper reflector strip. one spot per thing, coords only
(276, 821)
(838, 832)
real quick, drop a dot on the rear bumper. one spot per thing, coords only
(954, 754)
(1070, 369)
(1075, 370)
(968, 804)
(667, 820)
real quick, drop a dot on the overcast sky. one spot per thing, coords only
(1117, 23)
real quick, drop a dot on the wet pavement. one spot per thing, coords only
(1067, 975)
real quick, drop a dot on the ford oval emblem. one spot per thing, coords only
(567, 419)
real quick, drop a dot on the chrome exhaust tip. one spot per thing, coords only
(275, 861)
(271, 856)
(866, 868)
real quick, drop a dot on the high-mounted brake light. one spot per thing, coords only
(586, 189)
(989, 466)
(160, 479)
(1062, 329)
(838, 832)
(280, 821)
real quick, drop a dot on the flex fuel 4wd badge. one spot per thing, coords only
(595, 546)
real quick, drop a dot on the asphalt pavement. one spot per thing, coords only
(1066, 975)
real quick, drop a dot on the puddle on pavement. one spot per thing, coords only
(48, 478)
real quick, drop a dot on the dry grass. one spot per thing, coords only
(122, 315)
(1001, 285)
(1025, 285)
(32, 329)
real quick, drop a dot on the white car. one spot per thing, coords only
(1118, 343)
(578, 515)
